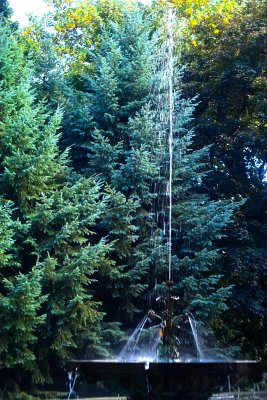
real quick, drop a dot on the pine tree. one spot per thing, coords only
(21, 298)
(50, 254)
(108, 99)
(117, 88)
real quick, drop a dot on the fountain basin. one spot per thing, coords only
(194, 380)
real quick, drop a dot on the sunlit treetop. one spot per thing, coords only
(192, 14)
(74, 26)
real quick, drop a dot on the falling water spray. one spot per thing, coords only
(193, 326)
(170, 47)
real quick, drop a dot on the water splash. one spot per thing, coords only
(131, 347)
(72, 377)
(193, 326)
(229, 384)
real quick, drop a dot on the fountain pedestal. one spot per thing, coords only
(168, 380)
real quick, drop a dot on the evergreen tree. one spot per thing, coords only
(114, 91)
(98, 129)
(93, 151)
(21, 298)
(48, 216)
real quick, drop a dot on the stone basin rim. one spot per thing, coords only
(144, 361)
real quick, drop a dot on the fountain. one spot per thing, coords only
(160, 371)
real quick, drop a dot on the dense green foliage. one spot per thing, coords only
(232, 117)
(84, 191)
(48, 215)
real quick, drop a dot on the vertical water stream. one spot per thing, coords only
(165, 107)
(170, 22)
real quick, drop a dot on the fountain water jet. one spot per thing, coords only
(132, 343)
(194, 332)
(163, 373)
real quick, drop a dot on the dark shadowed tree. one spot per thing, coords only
(230, 76)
